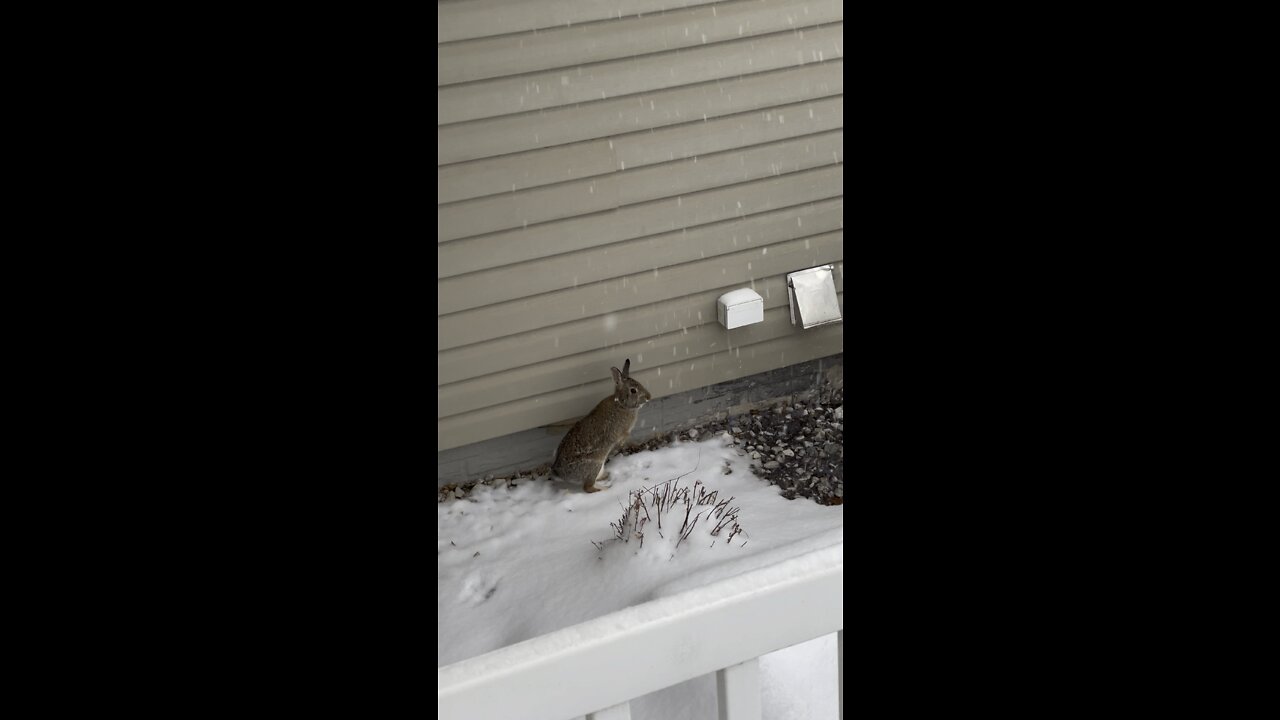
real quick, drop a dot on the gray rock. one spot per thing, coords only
(788, 453)
(839, 413)
(693, 433)
(771, 464)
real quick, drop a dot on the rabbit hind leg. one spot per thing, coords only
(601, 477)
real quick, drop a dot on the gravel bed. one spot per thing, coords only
(796, 445)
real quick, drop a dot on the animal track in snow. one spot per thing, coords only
(477, 588)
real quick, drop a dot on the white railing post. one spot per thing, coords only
(840, 643)
(738, 691)
(617, 712)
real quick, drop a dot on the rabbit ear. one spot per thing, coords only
(626, 368)
(617, 376)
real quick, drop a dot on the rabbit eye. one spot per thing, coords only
(633, 391)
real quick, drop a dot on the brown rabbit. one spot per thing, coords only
(590, 442)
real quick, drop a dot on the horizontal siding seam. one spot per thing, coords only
(717, 188)
(645, 131)
(610, 312)
(688, 6)
(575, 105)
(795, 29)
(797, 78)
(535, 30)
(649, 166)
(649, 236)
(620, 206)
(649, 269)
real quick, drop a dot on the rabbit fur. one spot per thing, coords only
(584, 449)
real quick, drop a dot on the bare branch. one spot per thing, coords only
(667, 496)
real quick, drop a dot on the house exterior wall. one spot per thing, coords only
(604, 172)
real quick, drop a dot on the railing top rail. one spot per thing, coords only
(650, 646)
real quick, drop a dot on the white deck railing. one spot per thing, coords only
(597, 667)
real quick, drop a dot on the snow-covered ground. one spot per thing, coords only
(515, 563)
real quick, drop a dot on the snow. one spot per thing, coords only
(515, 564)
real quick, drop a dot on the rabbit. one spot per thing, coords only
(589, 443)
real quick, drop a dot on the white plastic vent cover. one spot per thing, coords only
(813, 297)
(740, 307)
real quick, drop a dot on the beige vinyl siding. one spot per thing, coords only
(522, 93)
(579, 197)
(470, 19)
(702, 101)
(604, 174)
(575, 46)
(680, 213)
(490, 176)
